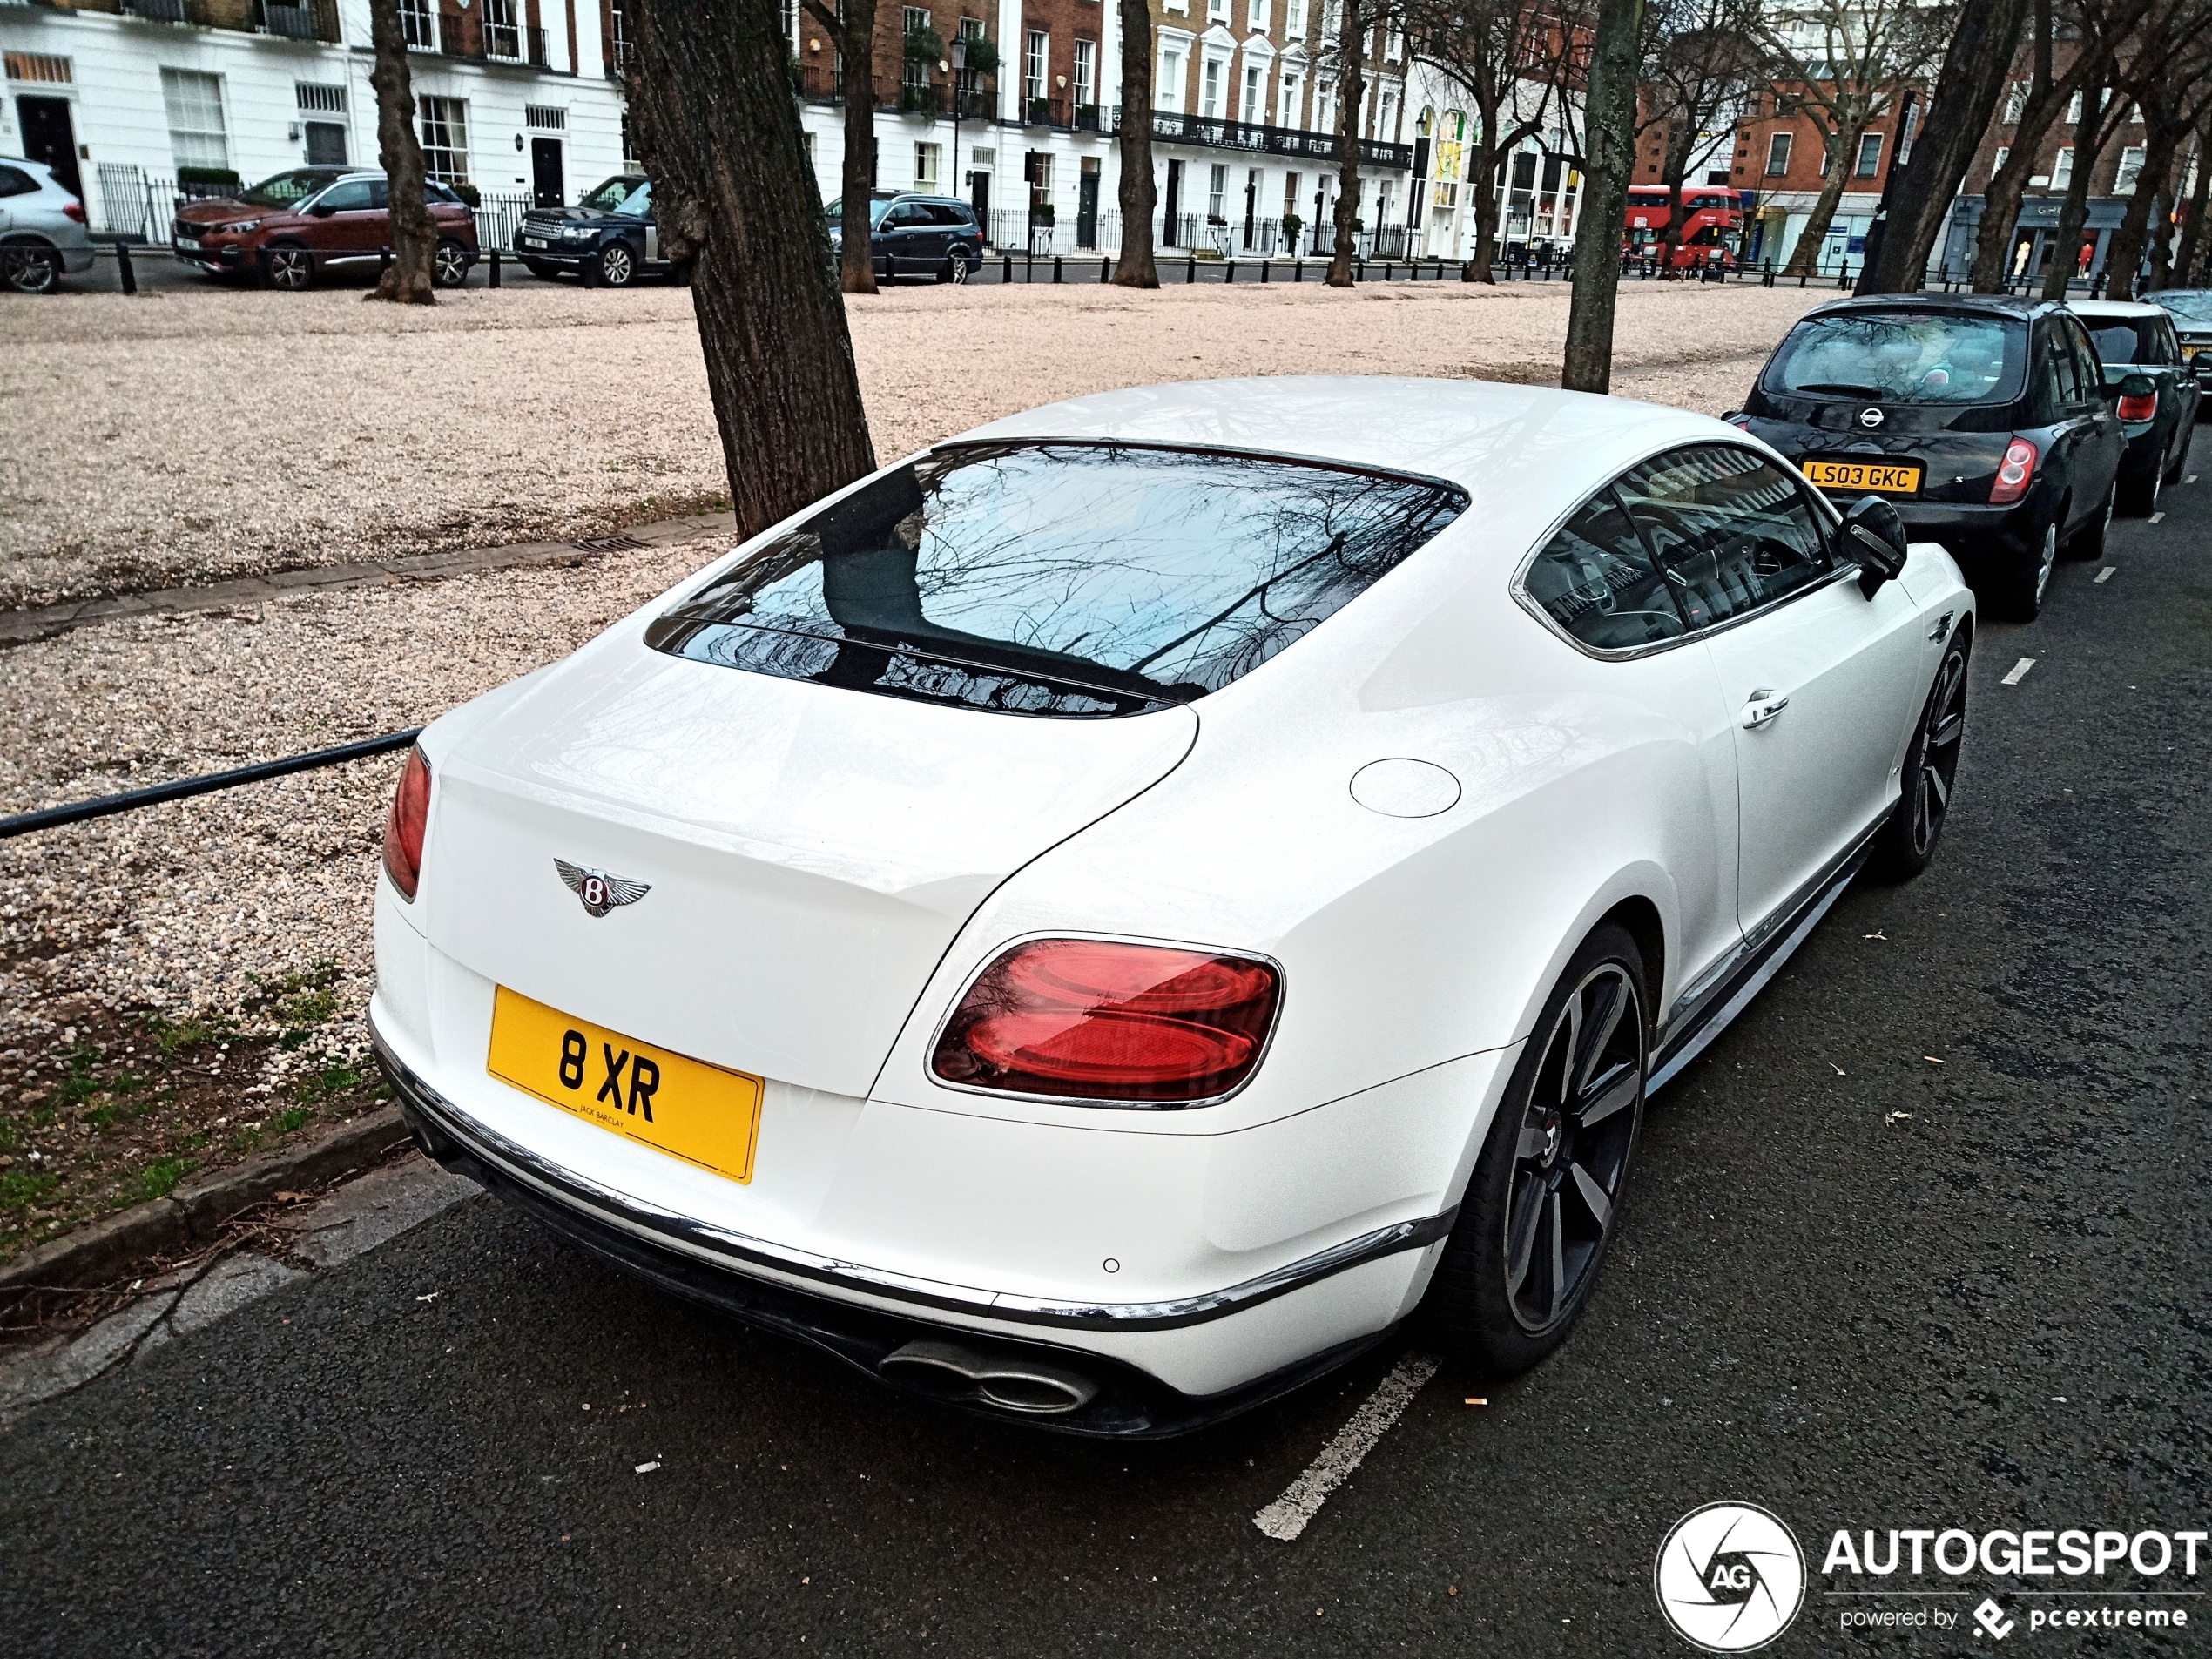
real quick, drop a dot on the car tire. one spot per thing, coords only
(2140, 498)
(613, 266)
(2089, 541)
(287, 267)
(957, 266)
(450, 264)
(1530, 1239)
(2181, 455)
(1906, 844)
(2015, 587)
(544, 268)
(29, 267)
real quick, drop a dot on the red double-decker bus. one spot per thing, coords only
(1712, 223)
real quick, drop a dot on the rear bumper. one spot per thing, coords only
(815, 1299)
(1977, 534)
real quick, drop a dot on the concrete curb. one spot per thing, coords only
(105, 1249)
(46, 622)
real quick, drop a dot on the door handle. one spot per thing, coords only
(1763, 709)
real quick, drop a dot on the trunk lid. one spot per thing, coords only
(1959, 447)
(811, 852)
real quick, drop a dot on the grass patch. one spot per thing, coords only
(173, 1036)
(332, 1080)
(21, 1190)
(285, 1122)
(158, 1179)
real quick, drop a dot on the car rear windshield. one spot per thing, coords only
(1070, 580)
(282, 190)
(2122, 340)
(1902, 357)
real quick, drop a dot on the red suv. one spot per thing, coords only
(289, 228)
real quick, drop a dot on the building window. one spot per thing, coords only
(445, 139)
(1869, 155)
(1394, 44)
(1038, 165)
(1450, 159)
(1169, 94)
(1324, 105)
(926, 168)
(1251, 106)
(1332, 19)
(1086, 74)
(2131, 169)
(319, 97)
(38, 66)
(619, 38)
(1210, 89)
(1290, 195)
(545, 117)
(1385, 118)
(1255, 16)
(1035, 50)
(2062, 168)
(1218, 12)
(195, 105)
(1998, 166)
(2016, 102)
(1777, 154)
(502, 38)
(418, 26)
(1294, 19)
(1216, 190)
(1290, 86)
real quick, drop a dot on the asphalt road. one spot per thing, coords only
(1859, 1287)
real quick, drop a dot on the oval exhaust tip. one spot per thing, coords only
(1011, 1381)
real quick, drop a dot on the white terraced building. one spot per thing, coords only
(515, 97)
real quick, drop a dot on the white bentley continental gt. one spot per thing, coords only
(1103, 920)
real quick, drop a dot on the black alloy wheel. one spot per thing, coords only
(449, 265)
(2017, 586)
(290, 267)
(956, 266)
(27, 268)
(1540, 1206)
(1906, 844)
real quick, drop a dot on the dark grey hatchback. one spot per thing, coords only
(1985, 419)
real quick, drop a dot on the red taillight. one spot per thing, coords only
(2139, 408)
(1092, 1020)
(403, 829)
(73, 210)
(2015, 473)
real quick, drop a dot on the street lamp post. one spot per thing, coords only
(959, 64)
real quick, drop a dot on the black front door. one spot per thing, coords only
(1173, 203)
(545, 168)
(48, 139)
(979, 196)
(1087, 211)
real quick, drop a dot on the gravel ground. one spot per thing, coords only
(179, 984)
(178, 437)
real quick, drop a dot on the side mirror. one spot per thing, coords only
(321, 210)
(1875, 540)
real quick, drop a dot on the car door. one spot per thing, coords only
(345, 226)
(903, 232)
(2096, 437)
(1821, 682)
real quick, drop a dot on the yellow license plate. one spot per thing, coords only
(1882, 477)
(704, 1114)
(2190, 352)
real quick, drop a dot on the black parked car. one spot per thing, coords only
(1986, 420)
(608, 238)
(2136, 340)
(2191, 310)
(913, 235)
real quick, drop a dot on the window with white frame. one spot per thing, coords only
(1997, 165)
(1386, 117)
(1294, 19)
(1394, 44)
(1255, 16)
(1168, 94)
(546, 117)
(2016, 101)
(1777, 153)
(2131, 169)
(1217, 190)
(925, 158)
(1869, 155)
(1325, 104)
(1292, 83)
(1251, 107)
(502, 35)
(319, 97)
(1332, 18)
(1036, 49)
(418, 26)
(1210, 78)
(1086, 73)
(2062, 168)
(1218, 12)
(197, 138)
(445, 139)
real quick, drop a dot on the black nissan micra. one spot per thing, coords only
(1986, 420)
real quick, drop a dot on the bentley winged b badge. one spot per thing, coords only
(599, 891)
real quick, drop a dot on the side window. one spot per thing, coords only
(1596, 581)
(1731, 531)
(379, 194)
(948, 213)
(905, 215)
(2087, 366)
(14, 181)
(2170, 344)
(2063, 373)
(349, 197)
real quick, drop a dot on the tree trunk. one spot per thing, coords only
(1805, 258)
(415, 237)
(2124, 253)
(2073, 212)
(741, 217)
(1670, 239)
(1351, 86)
(2000, 213)
(1480, 183)
(854, 33)
(2185, 258)
(1609, 120)
(1975, 70)
(1138, 192)
(2161, 274)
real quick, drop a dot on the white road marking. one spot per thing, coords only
(2019, 671)
(1285, 1518)
(2190, 479)
(647, 1468)
(2105, 575)
(2155, 517)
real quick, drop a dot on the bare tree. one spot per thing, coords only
(2100, 117)
(1609, 124)
(740, 221)
(1354, 19)
(1966, 90)
(414, 235)
(2171, 86)
(2182, 272)
(1867, 52)
(1500, 52)
(1137, 191)
(851, 25)
(1701, 59)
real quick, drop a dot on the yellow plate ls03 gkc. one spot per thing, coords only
(1887, 478)
(704, 1114)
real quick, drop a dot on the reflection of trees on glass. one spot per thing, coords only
(1136, 574)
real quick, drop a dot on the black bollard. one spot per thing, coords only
(1190, 269)
(494, 279)
(1055, 267)
(1263, 270)
(123, 267)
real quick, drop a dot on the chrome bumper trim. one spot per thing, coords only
(737, 1252)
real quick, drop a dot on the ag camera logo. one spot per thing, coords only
(1729, 1577)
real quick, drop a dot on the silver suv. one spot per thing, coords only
(42, 232)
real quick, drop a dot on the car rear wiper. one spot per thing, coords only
(1840, 386)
